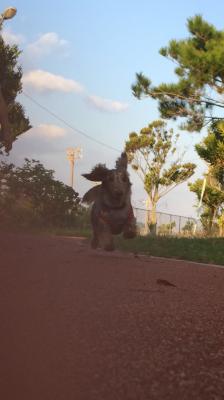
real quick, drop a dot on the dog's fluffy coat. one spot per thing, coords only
(111, 212)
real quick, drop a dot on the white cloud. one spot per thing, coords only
(50, 131)
(106, 104)
(12, 38)
(46, 44)
(44, 81)
(47, 131)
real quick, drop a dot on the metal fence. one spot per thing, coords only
(167, 224)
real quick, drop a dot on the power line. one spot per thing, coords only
(69, 125)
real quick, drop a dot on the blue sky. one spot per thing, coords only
(79, 60)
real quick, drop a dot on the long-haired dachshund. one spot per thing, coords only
(112, 211)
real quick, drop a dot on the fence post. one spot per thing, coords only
(179, 223)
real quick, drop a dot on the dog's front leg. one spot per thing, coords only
(95, 239)
(106, 237)
(129, 231)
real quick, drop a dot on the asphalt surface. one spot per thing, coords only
(83, 325)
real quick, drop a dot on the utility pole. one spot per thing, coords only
(200, 204)
(147, 214)
(73, 154)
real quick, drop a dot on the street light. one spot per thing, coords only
(8, 13)
(73, 154)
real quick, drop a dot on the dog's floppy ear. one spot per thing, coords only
(98, 173)
(92, 194)
(122, 161)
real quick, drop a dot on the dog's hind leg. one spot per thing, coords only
(95, 240)
(129, 231)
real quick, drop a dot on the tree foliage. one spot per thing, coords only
(188, 228)
(13, 121)
(213, 197)
(211, 150)
(148, 153)
(31, 195)
(199, 60)
(212, 203)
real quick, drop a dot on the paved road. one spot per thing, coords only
(84, 325)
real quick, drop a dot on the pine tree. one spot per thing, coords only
(211, 150)
(13, 121)
(199, 60)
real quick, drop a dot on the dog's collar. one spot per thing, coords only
(105, 207)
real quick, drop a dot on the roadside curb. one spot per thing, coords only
(181, 260)
(124, 254)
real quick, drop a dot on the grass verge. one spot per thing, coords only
(207, 250)
(53, 231)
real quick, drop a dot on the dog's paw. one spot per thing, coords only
(94, 243)
(109, 247)
(129, 234)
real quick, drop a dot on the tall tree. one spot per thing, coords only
(211, 150)
(199, 61)
(212, 201)
(148, 153)
(31, 191)
(13, 121)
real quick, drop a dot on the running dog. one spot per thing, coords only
(112, 212)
